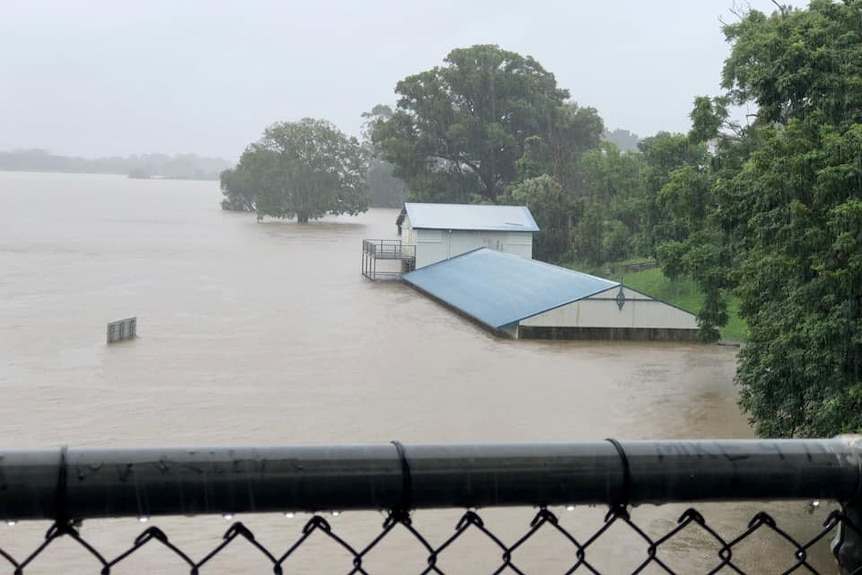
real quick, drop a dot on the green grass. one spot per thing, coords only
(682, 293)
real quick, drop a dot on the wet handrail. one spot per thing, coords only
(111, 482)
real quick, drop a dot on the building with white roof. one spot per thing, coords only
(439, 232)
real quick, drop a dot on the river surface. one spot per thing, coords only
(267, 334)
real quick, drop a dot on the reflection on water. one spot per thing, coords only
(268, 334)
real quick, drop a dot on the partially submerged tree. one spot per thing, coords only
(301, 170)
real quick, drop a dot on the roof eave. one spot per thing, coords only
(478, 229)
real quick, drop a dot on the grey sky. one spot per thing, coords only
(99, 77)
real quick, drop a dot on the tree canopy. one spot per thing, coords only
(301, 170)
(459, 129)
(387, 190)
(771, 212)
(794, 211)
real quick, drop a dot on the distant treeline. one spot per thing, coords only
(180, 166)
(623, 139)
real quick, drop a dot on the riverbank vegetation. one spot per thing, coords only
(761, 218)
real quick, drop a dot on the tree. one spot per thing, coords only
(242, 184)
(698, 234)
(236, 199)
(549, 205)
(459, 129)
(663, 154)
(379, 113)
(794, 210)
(576, 131)
(608, 204)
(387, 191)
(301, 170)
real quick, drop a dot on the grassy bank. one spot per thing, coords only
(685, 294)
(682, 293)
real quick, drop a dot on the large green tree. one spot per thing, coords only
(663, 154)
(793, 212)
(576, 131)
(550, 207)
(609, 204)
(458, 130)
(548, 178)
(301, 170)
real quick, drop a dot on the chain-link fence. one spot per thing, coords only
(669, 552)
(589, 509)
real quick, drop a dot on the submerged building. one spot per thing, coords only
(519, 297)
(477, 260)
(443, 231)
(435, 232)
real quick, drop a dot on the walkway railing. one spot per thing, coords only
(67, 486)
(388, 249)
(374, 251)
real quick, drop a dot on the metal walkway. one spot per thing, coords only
(386, 252)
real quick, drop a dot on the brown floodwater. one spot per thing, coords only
(266, 334)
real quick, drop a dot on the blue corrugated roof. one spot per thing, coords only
(500, 289)
(470, 217)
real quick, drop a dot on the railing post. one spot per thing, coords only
(847, 545)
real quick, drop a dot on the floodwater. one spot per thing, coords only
(266, 334)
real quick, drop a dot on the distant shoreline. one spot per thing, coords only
(209, 178)
(137, 166)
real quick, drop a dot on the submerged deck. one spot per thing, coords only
(387, 259)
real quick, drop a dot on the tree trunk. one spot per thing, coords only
(302, 218)
(490, 188)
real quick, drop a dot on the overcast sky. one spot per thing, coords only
(100, 77)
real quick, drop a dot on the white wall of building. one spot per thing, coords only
(437, 245)
(408, 237)
(601, 310)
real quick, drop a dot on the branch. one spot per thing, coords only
(739, 10)
(472, 165)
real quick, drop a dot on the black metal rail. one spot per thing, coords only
(92, 482)
(66, 486)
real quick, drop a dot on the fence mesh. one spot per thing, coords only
(574, 550)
